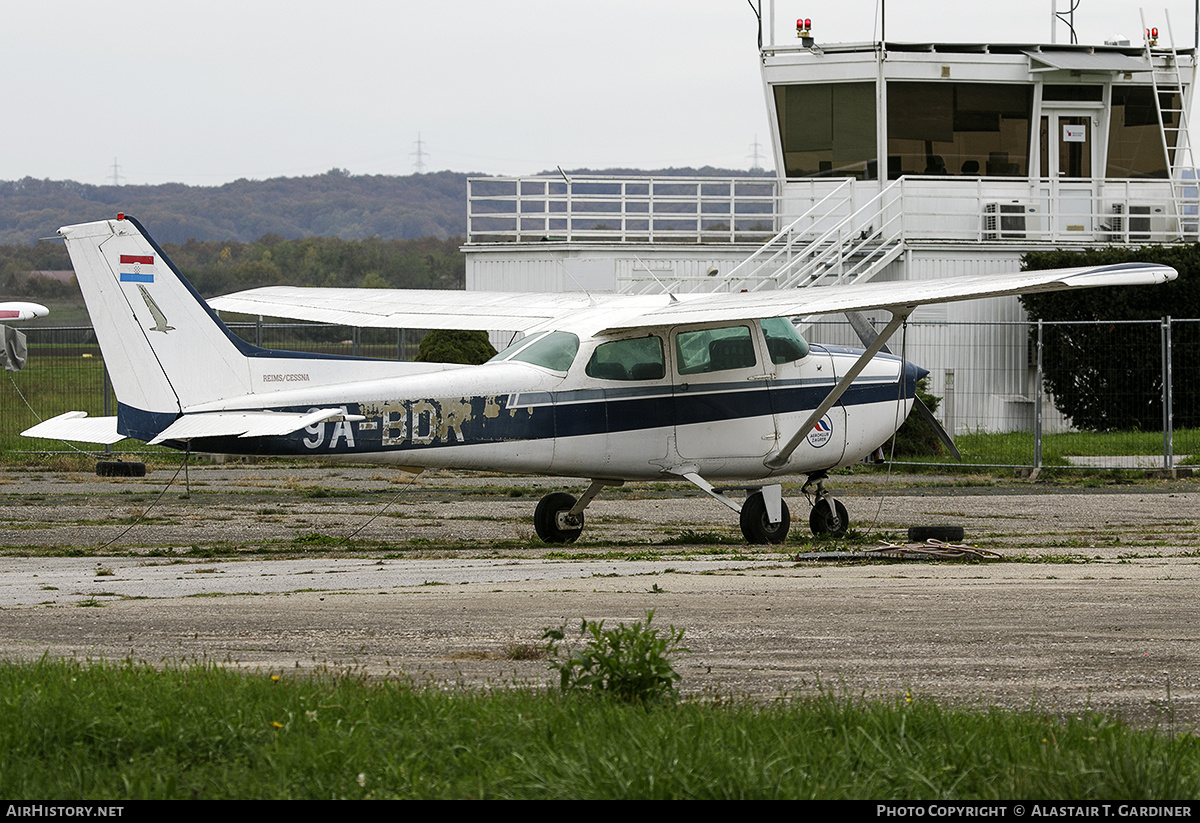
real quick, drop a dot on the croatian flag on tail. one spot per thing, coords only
(137, 268)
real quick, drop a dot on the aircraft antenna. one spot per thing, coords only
(650, 272)
(582, 288)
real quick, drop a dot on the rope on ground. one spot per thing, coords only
(411, 477)
(151, 507)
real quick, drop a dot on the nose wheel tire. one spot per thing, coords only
(826, 523)
(550, 519)
(756, 527)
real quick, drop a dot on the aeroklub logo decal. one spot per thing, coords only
(821, 434)
(160, 319)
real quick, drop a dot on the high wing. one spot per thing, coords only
(422, 308)
(526, 311)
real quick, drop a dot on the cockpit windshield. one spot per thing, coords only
(784, 342)
(551, 350)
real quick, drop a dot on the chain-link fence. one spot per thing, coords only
(1019, 394)
(1111, 394)
(65, 372)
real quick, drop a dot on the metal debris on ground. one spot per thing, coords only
(934, 548)
(930, 550)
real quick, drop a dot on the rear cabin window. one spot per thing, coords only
(711, 350)
(640, 358)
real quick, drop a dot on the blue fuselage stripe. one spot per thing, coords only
(421, 424)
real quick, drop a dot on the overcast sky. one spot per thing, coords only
(205, 93)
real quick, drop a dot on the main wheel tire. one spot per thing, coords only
(946, 534)
(120, 468)
(545, 518)
(757, 528)
(824, 523)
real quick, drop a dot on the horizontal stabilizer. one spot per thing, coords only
(247, 424)
(76, 425)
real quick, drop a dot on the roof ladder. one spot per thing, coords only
(1173, 128)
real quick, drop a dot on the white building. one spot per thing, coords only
(893, 161)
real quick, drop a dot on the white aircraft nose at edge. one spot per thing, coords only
(608, 388)
(21, 311)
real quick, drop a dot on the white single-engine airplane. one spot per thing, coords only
(705, 387)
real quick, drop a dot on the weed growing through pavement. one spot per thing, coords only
(632, 663)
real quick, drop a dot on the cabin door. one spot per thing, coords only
(1068, 161)
(721, 394)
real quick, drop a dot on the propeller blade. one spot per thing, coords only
(862, 327)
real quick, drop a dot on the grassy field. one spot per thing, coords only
(115, 732)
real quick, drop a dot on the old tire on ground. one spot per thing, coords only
(545, 518)
(946, 534)
(826, 523)
(756, 527)
(120, 468)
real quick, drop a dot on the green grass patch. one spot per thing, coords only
(1017, 448)
(117, 732)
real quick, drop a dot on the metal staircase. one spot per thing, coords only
(831, 243)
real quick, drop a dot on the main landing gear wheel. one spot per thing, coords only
(757, 528)
(825, 522)
(550, 519)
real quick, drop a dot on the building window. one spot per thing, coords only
(827, 129)
(971, 129)
(1135, 144)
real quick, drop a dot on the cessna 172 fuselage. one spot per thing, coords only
(603, 387)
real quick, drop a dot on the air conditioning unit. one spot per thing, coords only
(1008, 221)
(1141, 223)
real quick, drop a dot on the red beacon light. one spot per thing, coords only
(1152, 36)
(803, 26)
(120, 215)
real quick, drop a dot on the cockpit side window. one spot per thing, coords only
(640, 358)
(784, 343)
(709, 350)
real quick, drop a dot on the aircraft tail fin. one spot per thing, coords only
(164, 348)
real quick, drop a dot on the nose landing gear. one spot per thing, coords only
(828, 517)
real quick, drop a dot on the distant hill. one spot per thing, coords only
(334, 204)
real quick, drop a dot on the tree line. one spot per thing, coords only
(220, 267)
(1102, 377)
(334, 204)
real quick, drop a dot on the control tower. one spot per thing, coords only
(892, 161)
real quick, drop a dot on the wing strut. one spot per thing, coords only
(779, 459)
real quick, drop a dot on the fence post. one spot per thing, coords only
(948, 402)
(1037, 406)
(1168, 412)
(107, 403)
